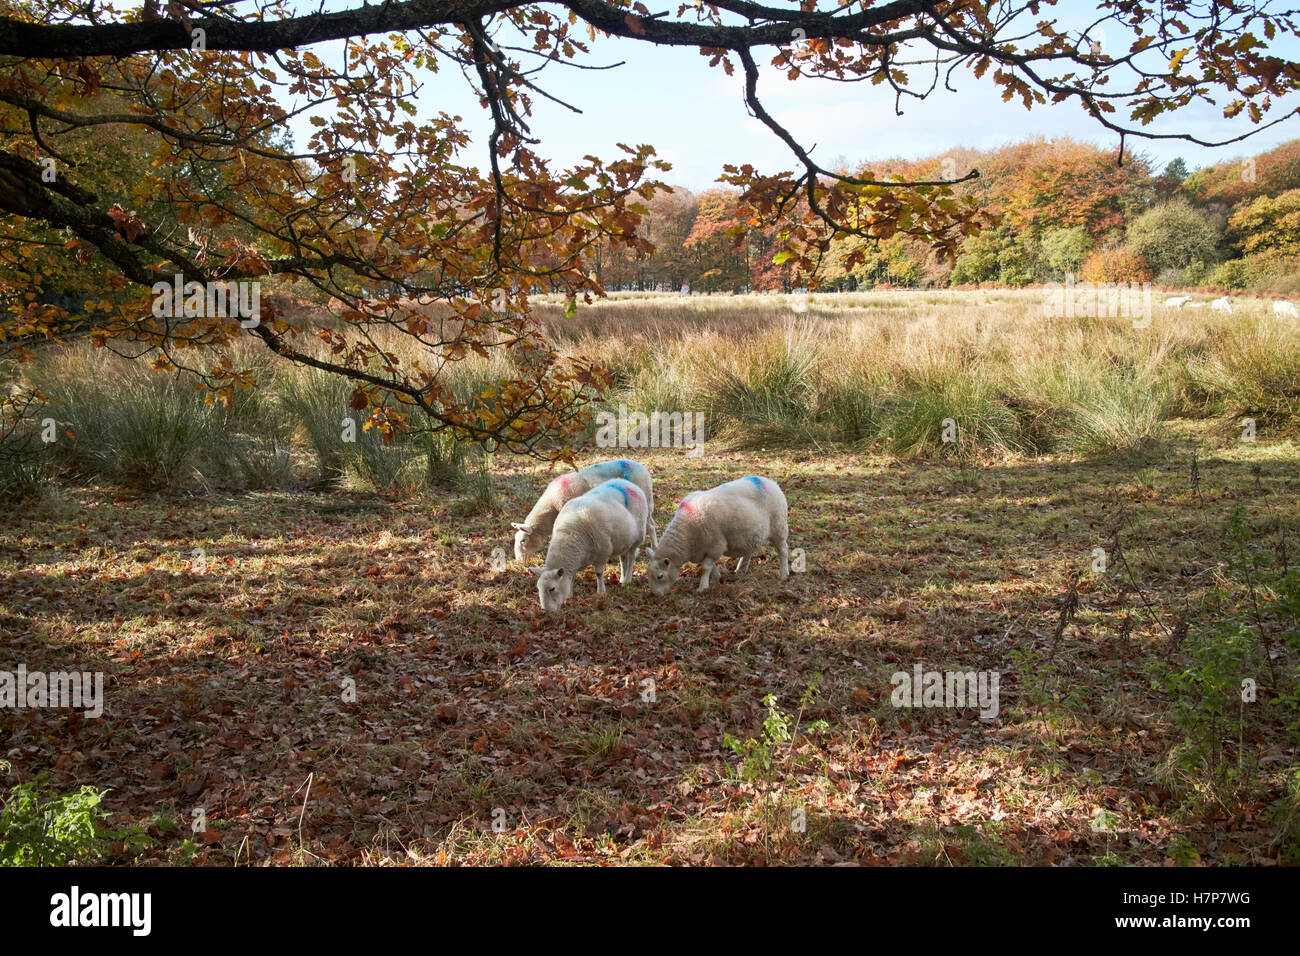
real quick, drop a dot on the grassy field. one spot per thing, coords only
(751, 724)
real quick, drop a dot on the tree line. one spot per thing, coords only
(1057, 207)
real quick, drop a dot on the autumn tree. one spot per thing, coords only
(1174, 235)
(667, 227)
(1115, 264)
(717, 261)
(384, 212)
(1235, 181)
(1064, 250)
(1270, 224)
(1052, 184)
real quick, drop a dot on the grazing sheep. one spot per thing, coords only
(1177, 301)
(1222, 305)
(607, 521)
(1285, 308)
(738, 518)
(531, 533)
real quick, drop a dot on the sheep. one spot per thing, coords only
(532, 532)
(607, 521)
(1222, 305)
(1282, 307)
(738, 518)
(1177, 301)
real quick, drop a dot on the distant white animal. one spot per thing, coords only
(532, 532)
(1286, 308)
(606, 522)
(739, 518)
(1222, 305)
(1177, 301)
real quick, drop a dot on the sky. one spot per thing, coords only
(696, 119)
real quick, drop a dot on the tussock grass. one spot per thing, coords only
(142, 428)
(886, 370)
(159, 430)
(878, 371)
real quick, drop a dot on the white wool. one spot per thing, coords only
(739, 518)
(1177, 302)
(531, 533)
(1286, 308)
(1223, 304)
(608, 521)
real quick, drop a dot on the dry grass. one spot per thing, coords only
(884, 369)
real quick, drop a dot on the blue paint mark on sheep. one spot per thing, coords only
(616, 487)
(758, 483)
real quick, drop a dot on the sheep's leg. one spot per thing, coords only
(783, 549)
(654, 534)
(600, 576)
(742, 563)
(717, 574)
(706, 572)
(626, 561)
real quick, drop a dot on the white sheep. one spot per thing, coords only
(1282, 307)
(532, 532)
(739, 518)
(1177, 301)
(1223, 304)
(608, 521)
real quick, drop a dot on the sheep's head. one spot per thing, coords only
(554, 586)
(526, 542)
(662, 572)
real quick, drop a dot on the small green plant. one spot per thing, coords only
(756, 753)
(766, 759)
(1218, 686)
(41, 827)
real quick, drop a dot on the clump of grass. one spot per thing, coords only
(444, 457)
(384, 466)
(317, 403)
(944, 412)
(1095, 406)
(160, 429)
(853, 393)
(1255, 371)
(477, 483)
(131, 424)
(766, 393)
(1122, 416)
(26, 465)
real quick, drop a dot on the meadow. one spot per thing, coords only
(315, 653)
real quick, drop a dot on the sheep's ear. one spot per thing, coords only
(559, 572)
(520, 527)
